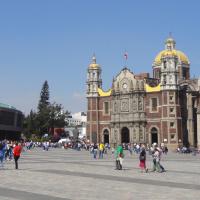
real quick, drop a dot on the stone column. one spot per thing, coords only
(131, 133)
(137, 133)
(198, 126)
(190, 125)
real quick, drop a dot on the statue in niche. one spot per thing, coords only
(140, 104)
(115, 107)
(134, 104)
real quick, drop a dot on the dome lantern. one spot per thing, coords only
(94, 64)
(170, 43)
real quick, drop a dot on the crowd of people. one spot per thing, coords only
(141, 149)
(9, 151)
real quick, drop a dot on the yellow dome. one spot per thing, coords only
(181, 56)
(94, 64)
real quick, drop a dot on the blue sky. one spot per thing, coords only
(54, 40)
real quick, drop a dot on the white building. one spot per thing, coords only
(77, 120)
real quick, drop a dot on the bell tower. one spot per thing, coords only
(169, 70)
(171, 119)
(93, 83)
(93, 78)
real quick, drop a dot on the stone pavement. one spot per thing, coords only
(67, 174)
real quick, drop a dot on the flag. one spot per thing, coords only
(126, 55)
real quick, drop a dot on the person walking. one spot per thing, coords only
(95, 150)
(119, 155)
(1, 155)
(101, 150)
(17, 152)
(142, 159)
(156, 161)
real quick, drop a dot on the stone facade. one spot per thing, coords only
(140, 109)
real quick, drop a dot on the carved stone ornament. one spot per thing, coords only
(124, 105)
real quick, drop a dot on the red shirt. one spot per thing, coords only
(17, 150)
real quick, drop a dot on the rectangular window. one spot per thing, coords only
(154, 104)
(171, 96)
(172, 136)
(171, 124)
(106, 108)
(171, 110)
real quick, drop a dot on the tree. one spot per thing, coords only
(57, 117)
(43, 109)
(30, 125)
(48, 116)
(44, 97)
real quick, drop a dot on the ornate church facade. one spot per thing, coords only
(140, 109)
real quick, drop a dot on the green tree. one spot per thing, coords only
(57, 117)
(43, 110)
(30, 125)
(44, 97)
(48, 116)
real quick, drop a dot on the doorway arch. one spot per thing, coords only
(154, 135)
(125, 138)
(106, 136)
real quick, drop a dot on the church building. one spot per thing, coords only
(138, 108)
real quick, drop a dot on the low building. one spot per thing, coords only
(78, 121)
(11, 122)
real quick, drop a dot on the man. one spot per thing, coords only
(101, 150)
(156, 161)
(17, 152)
(119, 155)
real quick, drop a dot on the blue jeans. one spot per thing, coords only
(100, 154)
(1, 161)
(95, 153)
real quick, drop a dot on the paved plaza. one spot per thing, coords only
(67, 174)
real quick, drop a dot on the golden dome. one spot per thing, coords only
(94, 65)
(181, 56)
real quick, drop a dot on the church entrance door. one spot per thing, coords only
(106, 136)
(125, 135)
(154, 135)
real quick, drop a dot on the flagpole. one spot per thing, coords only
(125, 58)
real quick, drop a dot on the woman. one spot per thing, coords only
(142, 159)
(17, 152)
